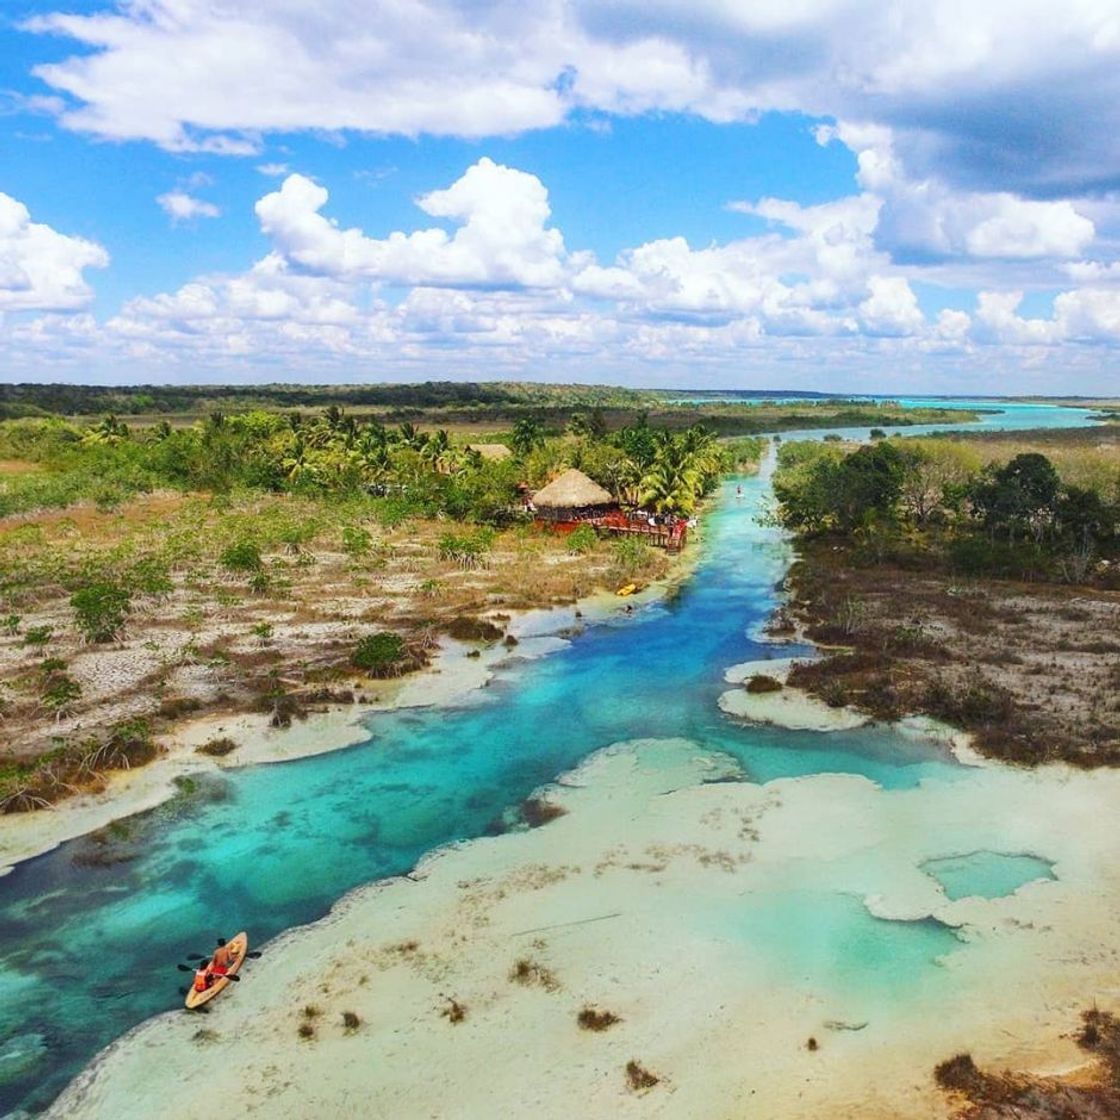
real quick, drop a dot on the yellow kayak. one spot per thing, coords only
(238, 946)
(629, 589)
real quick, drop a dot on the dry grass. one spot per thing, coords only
(1029, 669)
(593, 1019)
(530, 973)
(638, 1078)
(1015, 1096)
(213, 643)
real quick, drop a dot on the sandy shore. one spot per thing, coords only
(672, 900)
(448, 679)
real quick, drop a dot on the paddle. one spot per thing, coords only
(217, 975)
(253, 954)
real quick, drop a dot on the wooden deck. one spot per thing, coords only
(671, 537)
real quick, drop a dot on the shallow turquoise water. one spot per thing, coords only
(987, 874)
(88, 951)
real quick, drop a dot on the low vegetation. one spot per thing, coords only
(597, 1020)
(275, 561)
(1016, 1096)
(969, 579)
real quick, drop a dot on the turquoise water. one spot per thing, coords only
(987, 874)
(87, 951)
(820, 941)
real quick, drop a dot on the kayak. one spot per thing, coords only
(238, 946)
(629, 589)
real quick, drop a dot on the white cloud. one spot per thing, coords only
(502, 237)
(40, 268)
(273, 170)
(182, 207)
(977, 94)
(926, 220)
(891, 308)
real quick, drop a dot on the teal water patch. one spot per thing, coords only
(987, 874)
(829, 941)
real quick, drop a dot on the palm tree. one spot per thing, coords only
(110, 431)
(436, 448)
(673, 482)
(295, 463)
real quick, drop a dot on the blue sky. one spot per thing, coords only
(799, 194)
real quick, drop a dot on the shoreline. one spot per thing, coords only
(450, 677)
(599, 912)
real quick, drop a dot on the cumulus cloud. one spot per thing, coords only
(40, 268)
(182, 207)
(502, 237)
(923, 220)
(990, 96)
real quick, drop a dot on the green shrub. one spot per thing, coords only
(631, 554)
(60, 693)
(10, 624)
(151, 577)
(380, 655)
(468, 550)
(100, 610)
(356, 541)
(38, 635)
(582, 540)
(244, 556)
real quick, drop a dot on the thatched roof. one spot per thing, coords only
(572, 490)
(492, 450)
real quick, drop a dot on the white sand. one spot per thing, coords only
(633, 901)
(791, 708)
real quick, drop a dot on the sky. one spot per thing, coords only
(835, 195)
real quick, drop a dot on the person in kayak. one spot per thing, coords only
(224, 958)
(203, 977)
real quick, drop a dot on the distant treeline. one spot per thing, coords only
(26, 399)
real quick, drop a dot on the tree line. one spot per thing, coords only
(1012, 518)
(336, 455)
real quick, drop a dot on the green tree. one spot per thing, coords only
(527, 436)
(1019, 498)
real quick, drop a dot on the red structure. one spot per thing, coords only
(573, 500)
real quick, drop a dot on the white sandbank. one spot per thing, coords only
(641, 901)
(791, 708)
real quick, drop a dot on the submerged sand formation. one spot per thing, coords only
(786, 706)
(724, 923)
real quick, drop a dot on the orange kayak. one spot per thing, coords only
(238, 947)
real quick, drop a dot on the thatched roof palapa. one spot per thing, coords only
(572, 490)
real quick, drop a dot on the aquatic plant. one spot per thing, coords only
(592, 1019)
(536, 811)
(454, 1012)
(638, 1078)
